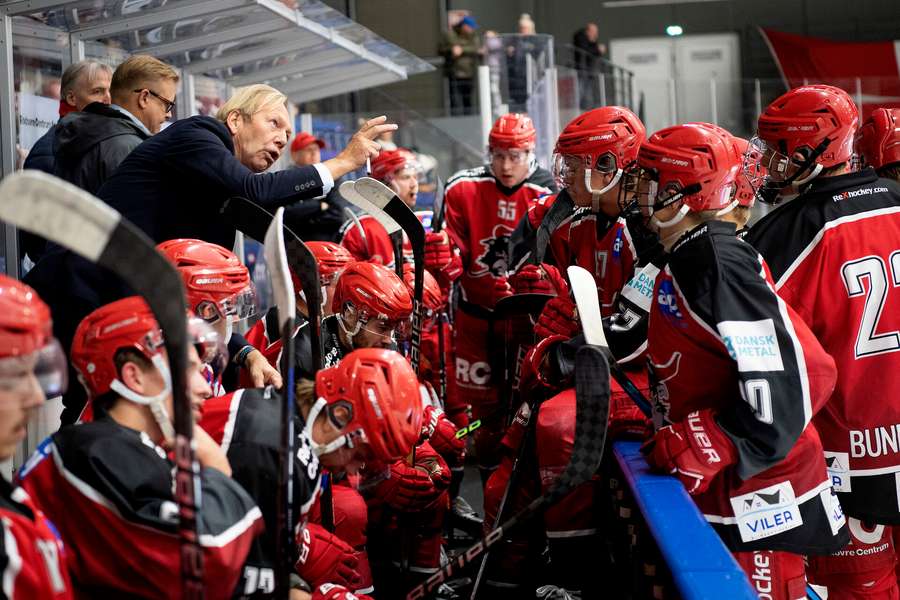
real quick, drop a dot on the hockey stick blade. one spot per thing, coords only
(253, 220)
(69, 216)
(348, 191)
(285, 300)
(584, 288)
(591, 421)
(386, 200)
(437, 207)
(520, 304)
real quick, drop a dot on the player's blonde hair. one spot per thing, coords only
(251, 99)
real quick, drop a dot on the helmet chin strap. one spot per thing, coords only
(155, 403)
(343, 326)
(812, 175)
(682, 212)
(595, 194)
(317, 448)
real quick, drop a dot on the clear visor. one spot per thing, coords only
(566, 167)
(502, 155)
(777, 166)
(209, 344)
(238, 307)
(45, 369)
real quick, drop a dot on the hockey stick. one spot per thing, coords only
(283, 291)
(386, 200)
(74, 219)
(437, 207)
(349, 192)
(362, 232)
(437, 225)
(591, 416)
(584, 289)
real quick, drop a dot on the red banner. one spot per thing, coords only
(868, 71)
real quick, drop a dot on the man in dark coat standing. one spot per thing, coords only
(174, 186)
(91, 143)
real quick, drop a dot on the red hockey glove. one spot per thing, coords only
(407, 489)
(329, 591)
(325, 558)
(534, 279)
(428, 458)
(440, 260)
(534, 371)
(558, 318)
(502, 288)
(625, 419)
(695, 450)
(443, 436)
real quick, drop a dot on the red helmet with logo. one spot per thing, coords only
(374, 290)
(331, 258)
(818, 121)
(123, 324)
(697, 163)
(26, 329)
(513, 131)
(879, 138)
(215, 281)
(431, 297)
(382, 392)
(388, 162)
(608, 138)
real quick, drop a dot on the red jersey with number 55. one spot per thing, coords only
(481, 215)
(834, 253)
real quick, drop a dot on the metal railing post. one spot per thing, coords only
(673, 103)
(714, 107)
(757, 97)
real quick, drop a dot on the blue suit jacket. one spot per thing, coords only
(173, 184)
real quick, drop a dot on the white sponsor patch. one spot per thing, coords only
(833, 509)
(639, 288)
(838, 465)
(752, 344)
(766, 512)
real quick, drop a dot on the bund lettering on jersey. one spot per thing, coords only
(481, 216)
(834, 253)
(32, 557)
(247, 424)
(108, 490)
(721, 339)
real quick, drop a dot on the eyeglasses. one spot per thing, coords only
(168, 104)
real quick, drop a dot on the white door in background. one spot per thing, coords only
(650, 59)
(692, 61)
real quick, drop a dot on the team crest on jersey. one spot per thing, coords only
(659, 391)
(668, 300)
(495, 257)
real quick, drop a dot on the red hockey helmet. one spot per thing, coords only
(431, 297)
(374, 291)
(513, 131)
(216, 283)
(26, 339)
(388, 162)
(381, 391)
(332, 259)
(803, 131)
(697, 163)
(879, 138)
(606, 138)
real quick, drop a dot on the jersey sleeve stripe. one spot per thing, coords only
(232, 418)
(13, 560)
(818, 238)
(221, 540)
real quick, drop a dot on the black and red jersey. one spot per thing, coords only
(481, 215)
(834, 254)
(32, 555)
(720, 338)
(247, 425)
(109, 491)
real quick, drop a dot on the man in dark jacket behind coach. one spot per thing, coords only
(91, 143)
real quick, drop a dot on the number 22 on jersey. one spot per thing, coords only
(883, 278)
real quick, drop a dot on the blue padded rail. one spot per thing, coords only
(701, 565)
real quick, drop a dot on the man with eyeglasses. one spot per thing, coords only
(91, 143)
(483, 206)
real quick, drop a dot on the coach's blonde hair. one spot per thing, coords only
(138, 72)
(251, 99)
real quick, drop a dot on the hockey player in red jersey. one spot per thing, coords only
(834, 254)
(219, 291)
(737, 373)
(108, 484)
(483, 206)
(879, 142)
(247, 425)
(32, 367)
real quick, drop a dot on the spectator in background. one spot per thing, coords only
(521, 46)
(588, 52)
(317, 219)
(91, 143)
(82, 83)
(461, 48)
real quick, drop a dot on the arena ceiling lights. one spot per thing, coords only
(303, 48)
